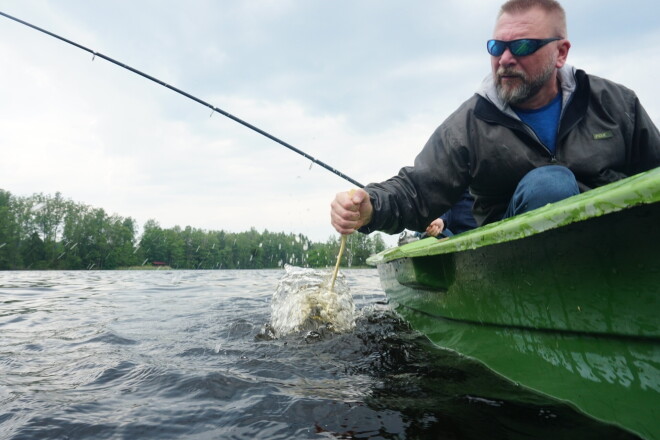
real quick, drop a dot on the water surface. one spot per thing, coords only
(184, 355)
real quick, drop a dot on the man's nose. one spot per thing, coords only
(507, 58)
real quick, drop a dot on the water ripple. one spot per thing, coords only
(183, 354)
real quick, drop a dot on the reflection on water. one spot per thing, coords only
(171, 355)
(625, 363)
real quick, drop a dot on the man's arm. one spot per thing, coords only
(417, 194)
(646, 141)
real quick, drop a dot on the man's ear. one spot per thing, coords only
(563, 47)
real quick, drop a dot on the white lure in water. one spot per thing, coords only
(304, 301)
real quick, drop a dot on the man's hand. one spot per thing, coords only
(350, 210)
(436, 227)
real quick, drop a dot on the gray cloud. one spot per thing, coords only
(359, 85)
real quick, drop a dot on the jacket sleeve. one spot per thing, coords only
(421, 193)
(645, 151)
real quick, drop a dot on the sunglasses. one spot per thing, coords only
(519, 48)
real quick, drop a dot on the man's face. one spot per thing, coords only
(523, 80)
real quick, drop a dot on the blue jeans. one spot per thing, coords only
(541, 186)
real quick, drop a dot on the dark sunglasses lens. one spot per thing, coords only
(520, 48)
(496, 48)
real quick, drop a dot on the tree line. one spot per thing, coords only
(50, 232)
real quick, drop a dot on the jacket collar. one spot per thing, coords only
(567, 81)
(575, 94)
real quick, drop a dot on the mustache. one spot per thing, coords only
(502, 71)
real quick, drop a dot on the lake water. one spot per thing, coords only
(191, 355)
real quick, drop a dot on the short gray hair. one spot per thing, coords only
(549, 6)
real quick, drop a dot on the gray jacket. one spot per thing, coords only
(604, 135)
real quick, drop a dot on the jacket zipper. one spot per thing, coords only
(530, 130)
(553, 156)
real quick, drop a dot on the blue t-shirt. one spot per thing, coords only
(544, 121)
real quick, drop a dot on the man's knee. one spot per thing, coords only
(541, 186)
(551, 183)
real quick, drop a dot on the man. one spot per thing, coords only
(457, 220)
(537, 132)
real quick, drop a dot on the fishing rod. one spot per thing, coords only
(189, 96)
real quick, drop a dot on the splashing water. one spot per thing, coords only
(303, 302)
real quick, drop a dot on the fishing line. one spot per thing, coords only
(189, 96)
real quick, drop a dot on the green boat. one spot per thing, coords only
(562, 300)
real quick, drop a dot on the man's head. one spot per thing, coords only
(529, 80)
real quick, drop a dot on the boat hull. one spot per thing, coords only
(570, 311)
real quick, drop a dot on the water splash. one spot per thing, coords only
(303, 302)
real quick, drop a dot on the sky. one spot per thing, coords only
(359, 85)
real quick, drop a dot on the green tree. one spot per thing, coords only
(120, 234)
(95, 242)
(48, 232)
(34, 251)
(9, 233)
(174, 248)
(74, 236)
(153, 242)
(378, 245)
(48, 214)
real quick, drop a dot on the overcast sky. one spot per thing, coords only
(360, 85)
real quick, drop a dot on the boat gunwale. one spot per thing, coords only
(643, 188)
